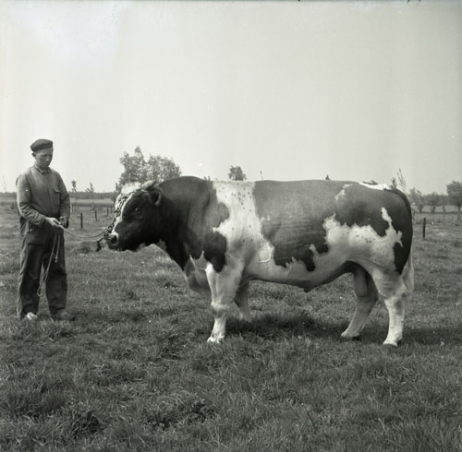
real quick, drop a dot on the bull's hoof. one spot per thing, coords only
(215, 340)
(346, 338)
(393, 344)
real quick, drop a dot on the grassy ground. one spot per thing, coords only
(134, 372)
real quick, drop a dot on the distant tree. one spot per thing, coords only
(433, 200)
(327, 177)
(74, 186)
(162, 168)
(417, 198)
(236, 173)
(394, 182)
(444, 202)
(134, 168)
(207, 178)
(137, 169)
(454, 190)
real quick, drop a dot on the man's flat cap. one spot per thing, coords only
(41, 144)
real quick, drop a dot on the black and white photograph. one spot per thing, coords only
(230, 226)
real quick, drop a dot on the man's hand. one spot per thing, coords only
(64, 222)
(53, 222)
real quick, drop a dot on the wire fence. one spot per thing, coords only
(84, 211)
(435, 217)
(76, 206)
(102, 209)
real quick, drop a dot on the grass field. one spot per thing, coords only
(134, 372)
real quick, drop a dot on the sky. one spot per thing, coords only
(287, 90)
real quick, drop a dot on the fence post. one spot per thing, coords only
(423, 227)
(96, 215)
(81, 220)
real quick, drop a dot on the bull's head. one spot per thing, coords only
(137, 219)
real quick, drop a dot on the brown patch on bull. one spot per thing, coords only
(202, 239)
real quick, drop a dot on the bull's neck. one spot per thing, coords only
(184, 209)
(176, 219)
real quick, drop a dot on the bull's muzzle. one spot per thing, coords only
(112, 239)
(108, 235)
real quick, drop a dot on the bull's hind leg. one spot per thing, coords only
(224, 287)
(366, 297)
(242, 301)
(396, 296)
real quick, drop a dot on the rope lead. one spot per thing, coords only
(53, 256)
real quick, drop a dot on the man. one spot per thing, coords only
(44, 209)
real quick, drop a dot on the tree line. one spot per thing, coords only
(434, 200)
(157, 168)
(138, 168)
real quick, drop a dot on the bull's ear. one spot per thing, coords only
(155, 195)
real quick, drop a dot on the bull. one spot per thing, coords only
(224, 234)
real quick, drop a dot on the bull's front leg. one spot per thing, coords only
(223, 285)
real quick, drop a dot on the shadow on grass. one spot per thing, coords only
(277, 327)
(271, 326)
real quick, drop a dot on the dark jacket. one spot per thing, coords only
(40, 194)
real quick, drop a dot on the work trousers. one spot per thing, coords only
(35, 258)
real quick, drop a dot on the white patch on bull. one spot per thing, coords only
(120, 204)
(376, 186)
(246, 245)
(342, 193)
(242, 227)
(359, 244)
